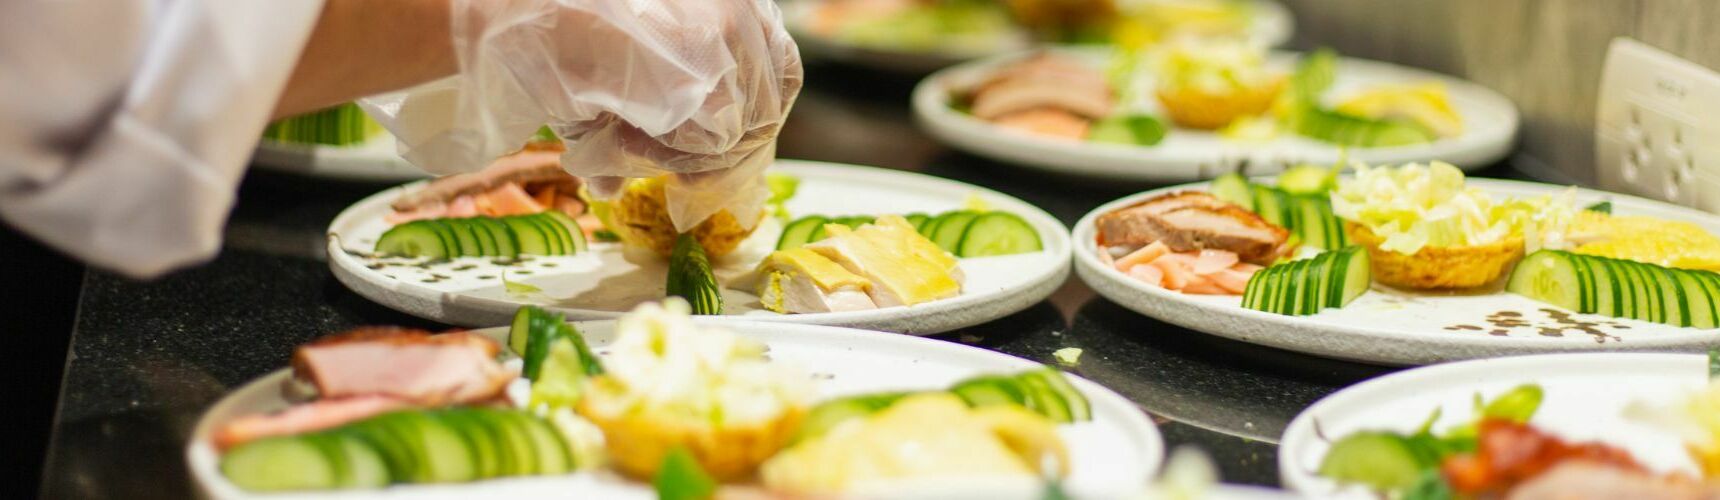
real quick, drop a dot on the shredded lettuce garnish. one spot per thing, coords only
(1415, 206)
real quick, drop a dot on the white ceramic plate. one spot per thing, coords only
(1586, 395)
(1272, 26)
(1113, 455)
(1397, 327)
(1489, 126)
(373, 160)
(607, 281)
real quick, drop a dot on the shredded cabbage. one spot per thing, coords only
(1415, 206)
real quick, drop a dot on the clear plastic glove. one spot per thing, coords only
(638, 88)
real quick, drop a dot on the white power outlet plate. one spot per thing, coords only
(1657, 126)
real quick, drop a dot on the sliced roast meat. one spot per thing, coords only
(411, 365)
(1585, 480)
(1193, 220)
(1044, 81)
(309, 417)
(522, 168)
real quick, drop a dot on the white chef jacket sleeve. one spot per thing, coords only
(125, 125)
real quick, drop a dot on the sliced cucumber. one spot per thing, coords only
(1358, 275)
(1076, 405)
(569, 229)
(998, 233)
(553, 456)
(1234, 188)
(506, 244)
(917, 220)
(1699, 309)
(279, 464)
(415, 239)
(468, 242)
(1307, 179)
(800, 232)
(989, 390)
(532, 238)
(485, 444)
(1271, 204)
(950, 230)
(1548, 276)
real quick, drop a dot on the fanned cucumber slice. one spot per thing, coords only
(1234, 188)
(531, 237)
(574, 236)
(950, 230)
(1358, 275)
(415, 239)
(799, 232)
(827, 415)
(279, 464)
(998, 233)
(506, 244)
(1548, 276)
(485, 447)
(1700, 309)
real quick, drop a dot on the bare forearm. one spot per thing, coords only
(364, 47)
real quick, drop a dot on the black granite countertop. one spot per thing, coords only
(147, 358)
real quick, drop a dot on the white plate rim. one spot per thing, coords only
(1302, 434)
(201, 457)
(1273, 26)
(1175, 308)
(1475, 149)
(921, 319)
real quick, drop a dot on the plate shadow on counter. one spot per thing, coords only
(1231, 399)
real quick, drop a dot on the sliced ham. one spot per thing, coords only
(522, 168)
(1044, 81)
(1047, 121)
(1232, 280)
(1189, 221)
(1148, 274)
(309, 417)
(411, 365)
(507, 199)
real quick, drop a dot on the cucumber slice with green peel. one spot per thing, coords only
(519, 453)
(1547, 276)
(950, 231)
(1307, 179)
(365, 466)
(486, 239)
(989, 390)
(690, 277)
(1234, 188)
(540, 333)
(1075, 403)
(799, 232)
(1700, 309)
(1656, 311)
(1641, 298)
(1675, 311)
(998, 233)
(1046, 400)
(1381, 460)
(442, 452)
(506, 245)
(553, 455)
(571, 230)
(1358, 275)
(531, 237)
(485, 447)
(396, 447)
(1710, 289)
(917, 220)
(855, 221)
(556, 243)
(466, 241)
(1271, 204)
(414, 239)
(286, 463)
(1609, 289)
(1584, 285)
(930, 230)
(827, 415)
(519, 330)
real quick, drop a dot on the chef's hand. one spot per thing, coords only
(638, 88)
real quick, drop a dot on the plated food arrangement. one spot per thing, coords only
(338, 143)
(1603, 425)
(1408, 264)
(839, 245)
(1187, 111)
(657, 401)
(919, 36)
